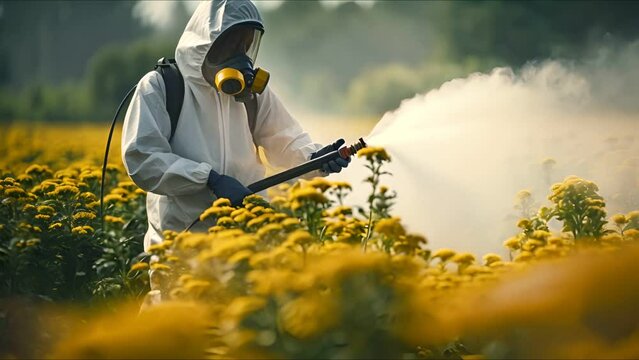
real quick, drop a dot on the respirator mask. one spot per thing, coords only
(229, 64)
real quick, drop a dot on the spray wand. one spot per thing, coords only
(304, 168)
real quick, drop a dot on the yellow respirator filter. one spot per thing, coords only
(230, 81)
(259, 82)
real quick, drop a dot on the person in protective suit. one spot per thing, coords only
(212, 153)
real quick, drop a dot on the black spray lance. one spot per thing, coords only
(304, 168)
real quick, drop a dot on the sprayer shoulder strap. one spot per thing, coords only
(251, 113)
(174, 84)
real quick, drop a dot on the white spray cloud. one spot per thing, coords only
(463, 151)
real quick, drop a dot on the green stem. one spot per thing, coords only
(371, 201)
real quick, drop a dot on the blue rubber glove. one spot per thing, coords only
(224, 186)
(336, 165)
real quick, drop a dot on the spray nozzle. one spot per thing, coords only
(348, 151)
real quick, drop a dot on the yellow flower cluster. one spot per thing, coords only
(306, 276)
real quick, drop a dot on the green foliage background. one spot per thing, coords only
(66, 60)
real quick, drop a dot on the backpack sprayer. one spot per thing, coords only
(299, 170)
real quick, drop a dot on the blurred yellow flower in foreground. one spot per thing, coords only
(373, 152)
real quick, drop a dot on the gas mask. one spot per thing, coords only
(228, 66)
(237, 77)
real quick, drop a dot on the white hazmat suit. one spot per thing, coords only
(212, 131)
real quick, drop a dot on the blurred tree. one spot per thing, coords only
(116, 68)
(51, 41)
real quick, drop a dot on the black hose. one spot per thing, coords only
(106, 152)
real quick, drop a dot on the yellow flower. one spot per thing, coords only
(523, 256)
(620, 219)
(257, 221)
(24, 178)
(342, 185)
(341, 210)
(308, 194)
(120, 191)
(513, 243)
(279, 201)
(139, 266)
(631, 234)
(196, 287)
(299, 237)
(222, 202)
(161, 267)
(491, 258)
(290, 223)
(374, 153)
(93, 205)
(255, 200)
(309, 315)
(242, 306)
(523, 194)
(166, 244)
(36, 169)
(260, 210)
(540, 235)
(128, 185)
(82, 230)
(113, 219)
(217, 212)
(415, 240)
(64, 190)
(463, 258)
(269, 229)
(225, 221)
(242, 218)
(113, 198)
(523, 223)
(32, 242)
(88, 196)
(55, 226)
(215, 229)
(42, 217)
(14, 192)
(319, 183)
(443, 254)
(84, 215)
(90, 176)
(155, 248)
(239, 256)
(390, 227)
(45, 209)
(546, 251)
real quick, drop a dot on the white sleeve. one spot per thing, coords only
(146, 151)
(285, 143)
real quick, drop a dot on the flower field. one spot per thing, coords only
(305, 274)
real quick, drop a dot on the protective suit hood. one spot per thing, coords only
(209, 21)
